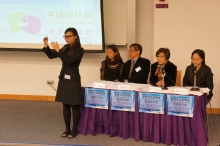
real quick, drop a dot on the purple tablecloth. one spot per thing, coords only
(149, 127)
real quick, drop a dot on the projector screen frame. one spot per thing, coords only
(86, 51)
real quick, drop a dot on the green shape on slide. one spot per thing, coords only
(13, 19)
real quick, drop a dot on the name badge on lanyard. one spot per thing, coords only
(67, 77)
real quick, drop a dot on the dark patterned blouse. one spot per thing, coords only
(111, 71)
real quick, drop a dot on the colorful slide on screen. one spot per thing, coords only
(25, 22)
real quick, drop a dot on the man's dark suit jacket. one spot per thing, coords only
(170, 77)
(140, 76)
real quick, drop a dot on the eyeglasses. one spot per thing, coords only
(132, 50)
(196, 59)
(67, 36)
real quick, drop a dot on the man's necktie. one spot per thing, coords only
(131, 68)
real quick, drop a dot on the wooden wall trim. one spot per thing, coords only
(214, 110)
(27, 97)
(52, 98)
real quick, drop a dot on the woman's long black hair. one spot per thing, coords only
(201, 54)
(77, 43)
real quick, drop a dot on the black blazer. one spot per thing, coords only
(170, 77)
(70, 65)
(140, 76)
(204, 78)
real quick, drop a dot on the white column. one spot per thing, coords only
(131, 26)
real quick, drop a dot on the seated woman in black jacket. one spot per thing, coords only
(112, 66)
(163, 55)
(204, 75)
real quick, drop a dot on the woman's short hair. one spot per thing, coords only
(201, 54)
(165, 51)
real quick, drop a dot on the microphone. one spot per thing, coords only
(195, 68)
(163, 75)
(163, 71)
(194, 87)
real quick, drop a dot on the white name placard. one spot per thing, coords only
(98, 85)
(154, 89)
(183, 91)
(124, 87)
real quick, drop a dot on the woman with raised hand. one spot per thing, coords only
(69, 86)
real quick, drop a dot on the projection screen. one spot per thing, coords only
(24, 23)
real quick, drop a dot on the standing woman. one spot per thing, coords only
(112, 66)
(69, 86)
(204, 75)
(163, 55)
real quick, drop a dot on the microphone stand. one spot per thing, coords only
(194, 87)
(163, 88)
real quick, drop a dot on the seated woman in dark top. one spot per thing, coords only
(163, 55)
(112, 66)
(204, 75)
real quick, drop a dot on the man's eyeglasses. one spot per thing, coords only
(132, 50)
(67, 36)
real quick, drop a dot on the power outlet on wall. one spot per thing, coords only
(50, 82)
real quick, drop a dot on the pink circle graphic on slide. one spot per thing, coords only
(33, 24)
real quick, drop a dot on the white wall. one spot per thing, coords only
(183, 27)
(145, 25)
(27, 72)
(188, 25)
(115, 16)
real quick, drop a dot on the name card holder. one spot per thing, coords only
(122, 100)
(180, 105)
(183, 91)
(96, 98)
(98, 85)
(124, 87)
(154, 89)
(151, 102)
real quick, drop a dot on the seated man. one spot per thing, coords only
(137, 69)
